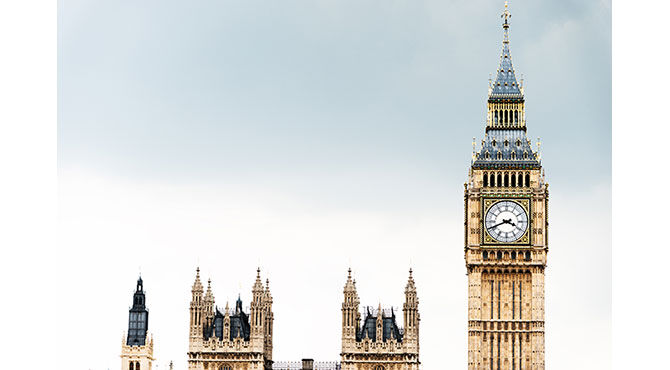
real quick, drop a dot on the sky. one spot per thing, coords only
(306, 137)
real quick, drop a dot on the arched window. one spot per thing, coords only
(499, 155)
(495, 117)
(516, 116)
(506, 143)
(486, 179)
(506, 180)
(132, 365)
(525, 155)
(513, 255)
(225, 367)
(527, 256)
(518, 142)
(499, 182)
(485, 256)
(137, 365)
(379, 367)
(513, 155)
(513, 179)
(499, 255)
(486, 155)
(527, 180)
(493, 142)
(506, 117)
(492, 180)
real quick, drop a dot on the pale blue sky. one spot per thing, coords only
(273, 91)
(357, 115)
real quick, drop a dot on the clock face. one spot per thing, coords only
(506, 221)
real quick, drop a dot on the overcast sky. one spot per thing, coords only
(310, 136)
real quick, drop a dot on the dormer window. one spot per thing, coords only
(493, 142)
(525, 155)
(518, 142)
(486, 155)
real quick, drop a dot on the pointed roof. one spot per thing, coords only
(505, 85)
(258, 284)
(506, 148)
(350, 285)
(410, 287)
(197, 285)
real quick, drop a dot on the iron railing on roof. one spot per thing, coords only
(297, 365)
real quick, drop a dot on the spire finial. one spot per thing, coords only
(506, 15)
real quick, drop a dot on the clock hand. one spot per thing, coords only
(504, 221)
(496, 225)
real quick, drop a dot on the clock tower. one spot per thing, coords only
(506, 232)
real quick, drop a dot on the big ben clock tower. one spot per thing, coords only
(506, 233)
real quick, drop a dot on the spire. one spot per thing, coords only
(258, 285)
(505, 84)
(140, 286)
(410, 287)
(209, 295)
(350, 285)
(197, 285)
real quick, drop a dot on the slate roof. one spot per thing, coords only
(369, 328)
(505, 85)
(239, 324)
(138, 317)
(495, 154)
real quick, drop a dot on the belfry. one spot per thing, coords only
(506, 224)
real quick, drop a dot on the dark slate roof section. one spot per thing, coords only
(505, 85)
(369, 328)
(511, 155)
(239, 324)
(138, 317)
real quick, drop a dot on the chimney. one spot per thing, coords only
(307, 364)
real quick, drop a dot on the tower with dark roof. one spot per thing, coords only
(230, 338)
(137, 348)
(374, 340)
(506, 243)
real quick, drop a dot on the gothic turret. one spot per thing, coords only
(376, 340)
(411, 313)
(138, 318)
(350, 315)
(232, 335)
(197, 307)
(138, 347)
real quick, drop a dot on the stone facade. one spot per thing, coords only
(137, 357)
(233, 339)
(506, 241)
(379, 344)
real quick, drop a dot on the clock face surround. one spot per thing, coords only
(506, 221)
